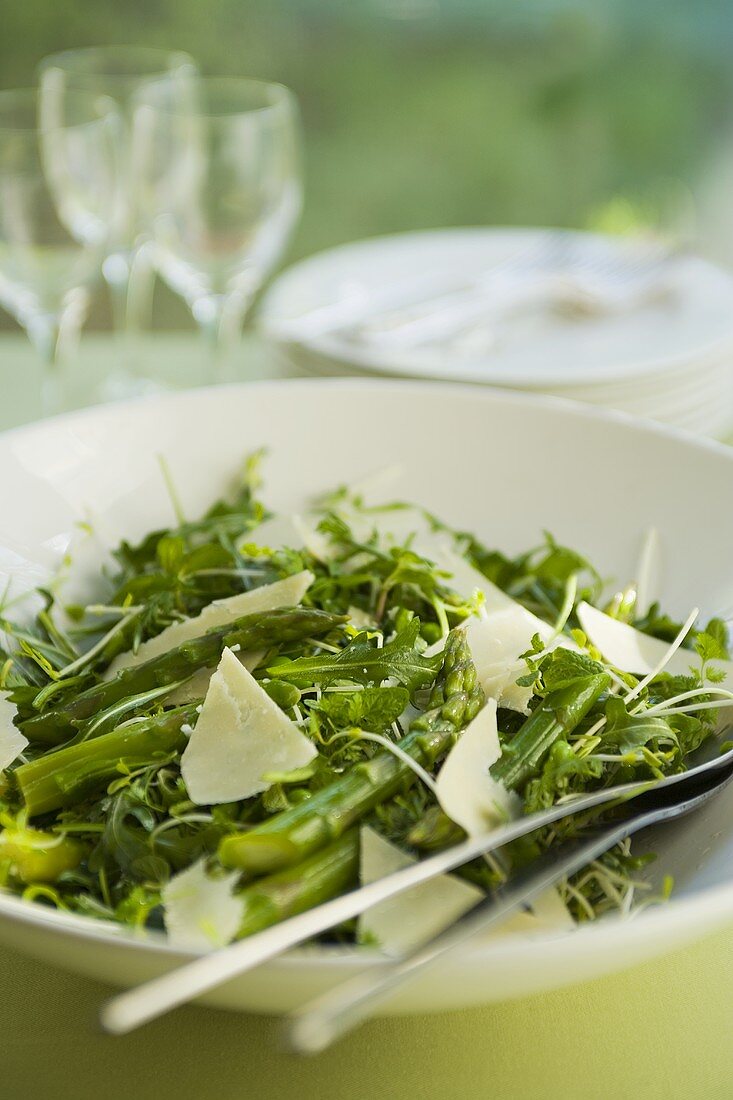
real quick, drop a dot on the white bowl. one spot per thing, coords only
(505, 465)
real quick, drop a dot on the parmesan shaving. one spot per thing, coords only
(632, 651)
(201, 912)
(409, 919)
(12, 741)
(197, 686)
(467, 793)
(497, 641)
(240, 736)
(284, 593)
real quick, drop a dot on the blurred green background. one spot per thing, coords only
(420, 113)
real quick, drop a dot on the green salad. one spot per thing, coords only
(257, 712)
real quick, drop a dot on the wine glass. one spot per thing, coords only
(219, 192)
(59, 200)
(117, 72)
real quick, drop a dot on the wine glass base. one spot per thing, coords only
(122, 385)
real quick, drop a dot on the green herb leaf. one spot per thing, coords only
(564, 667)
(711, 643)
(363, 662)
(372, 709)
(628, 732)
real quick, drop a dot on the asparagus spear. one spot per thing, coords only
(434, 830)
(332, 869)
(294, 834)
(34, 856)
(69, 775)
(248, 632)
(559, 713)
(323, 875)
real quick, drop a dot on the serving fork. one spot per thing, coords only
(323, 1020)
(676, 794)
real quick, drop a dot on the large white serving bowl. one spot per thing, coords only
(504, 465)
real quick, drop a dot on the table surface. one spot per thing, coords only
(660, 1030)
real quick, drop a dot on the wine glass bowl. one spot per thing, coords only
(219, 189)
(59, 197)
(116, 72)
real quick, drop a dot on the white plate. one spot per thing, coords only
(671, 334)
(699, 401)
(505, 465)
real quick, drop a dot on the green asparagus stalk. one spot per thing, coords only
(321, 876)
(558, 714)
(248, 632)
(34, 856)
(294, 834)
(434, 831)
(68, 776)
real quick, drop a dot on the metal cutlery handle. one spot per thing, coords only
(336, 1012)
(137, 1006)
(322, 1021)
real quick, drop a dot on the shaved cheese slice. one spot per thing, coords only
(296, 532)
(394, 526)
(467, 793)
(497, 641)
(198, 685)
(240, 736)
(12, 741)
(467, 579)
(501, 631)
(399, 525)
(411, 918)
(315, 542)
(361, 620)
(549, 913)
(476, 802)
(284, 593)
(632, 651)
(201, 912)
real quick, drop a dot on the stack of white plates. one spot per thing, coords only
(656, 341)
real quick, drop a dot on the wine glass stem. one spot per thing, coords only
(219, 318)
(56, 336)
(44, 332)
(116, 271)
(130, 278)
(140, 287)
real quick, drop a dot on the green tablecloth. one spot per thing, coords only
(662, 1030)
(659, 1032)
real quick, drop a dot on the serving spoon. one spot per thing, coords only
(137, 1006)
